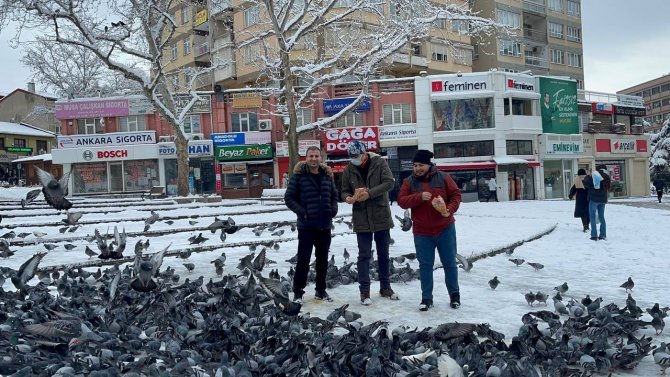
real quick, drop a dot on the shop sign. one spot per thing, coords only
(110, 154)
(462, 83)
(622, 146)
(564, 148)
(202, 105)
(243, 152)
(233, 138)
(558, 105)
(281, 147)
(603, 108)
(588, 147)
(139, 106)
(257, 137)
(91, 109)
(630, 101)
(247, 100)
(335, 140)
(7, 157)
(332, 106)
(519, 83)
(19, 149)
(196, 148)
(200, 17)
(404, 132)
(632, 111)
(641, 145)
(99, 140)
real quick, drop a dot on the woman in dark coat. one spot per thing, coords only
(581, 196)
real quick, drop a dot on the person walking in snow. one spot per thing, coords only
(578, 191)
(598, 184)
(493, 189)
(312, 195)
(659, 185)
(432, 228)
(365, 184)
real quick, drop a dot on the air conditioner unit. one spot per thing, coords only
(165, 139)
(265, 125)
(197, 137)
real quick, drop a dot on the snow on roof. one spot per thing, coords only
(23, 129)
(40, 94)
(39, 157)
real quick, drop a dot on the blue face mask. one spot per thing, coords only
(356, 161)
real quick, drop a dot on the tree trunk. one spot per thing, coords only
(289, 102)
(181, 144)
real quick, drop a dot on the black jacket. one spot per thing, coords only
(581, 201)
(598, 195)
(315, 205)
(659, 184)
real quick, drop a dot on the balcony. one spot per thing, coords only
(225, 72)
(411, 60)
(223, 43)
(201, 21)
(536, 61)
(534, 7)
(535, 35)
(221, 9)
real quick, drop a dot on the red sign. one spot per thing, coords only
(436, 86)
(603, 145)
(602, 108)
(335, 140)
(113, 154)
(641, 145)
(219, 184)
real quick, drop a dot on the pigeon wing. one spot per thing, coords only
(60, 329)
(467, 266)
(259, 262)
(113, 285)
(74, 217)
(157, 260)
(63, 182)
(43, 176)
(32, 194)
(28, 268)
(272, 285)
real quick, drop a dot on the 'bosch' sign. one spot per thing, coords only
(122, 153)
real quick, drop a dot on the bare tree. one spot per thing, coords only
(320, 42)
(129, 37)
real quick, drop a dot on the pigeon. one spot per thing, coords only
(222, 236)
(145, 270)
(562, 288)
(30, 197)
(73, 330)
(196, 240)
(54, 190)
(278, 233)
(90, 252)
(346, 255)
(50, 246)
(405, 222)
(192, 222)
(150, 221)
(541, 297)
(72, 218)
(216, 225)
(493, 283)
(23, 234)
(120, 242)
(169, 222)
(274, 288)
(453, 330)
(27, 271)
(189, 266)
(530, 298)
(259, 262)
(5, 252)
(35, 233)
(69, 246)
(628, 285)
(11, 234)
(658, 324)
(463, 263)
(517, 261)
(536, 266)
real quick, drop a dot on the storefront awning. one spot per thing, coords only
(41, 157)
(509, 160)
(475, 165)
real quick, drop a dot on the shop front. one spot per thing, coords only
(245, 163)
(201, 166)
(281, 152)
(399, 143)
(560, 155)
(335, 141)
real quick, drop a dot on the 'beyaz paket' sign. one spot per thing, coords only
(101, 140)
(335, 140)
(243, 152)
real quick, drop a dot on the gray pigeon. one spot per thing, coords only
(464, 263)
(73, 330)
(517, 261)
(54, 190)
(72, 218)
(274, 287)
(145, 270)
(5, 252)
(493, 283)
(151, 220)
(628, 284)
(30, 197)
(27, 271)
(536, 266)
(562, 288)
(405, 222)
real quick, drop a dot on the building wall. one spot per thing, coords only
(656, 95)
(18, 106)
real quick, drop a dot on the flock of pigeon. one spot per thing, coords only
(140, 319)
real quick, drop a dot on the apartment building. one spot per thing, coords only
(656, 95)
(548, 41)
(29, 106)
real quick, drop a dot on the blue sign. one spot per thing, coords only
(332, 106)
(191, 183)
(234, 138)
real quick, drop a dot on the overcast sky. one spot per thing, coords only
(625, 43)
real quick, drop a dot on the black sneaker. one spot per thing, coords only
(594, 238)
(455, 300)
(297, 297)
(425, 304)
(322, 296)
(602, 238)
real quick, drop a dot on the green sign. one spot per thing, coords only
(243, 152)
(18, 149)
(558, 106)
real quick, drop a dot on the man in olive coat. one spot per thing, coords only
(371, 214)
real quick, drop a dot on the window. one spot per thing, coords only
(244, 122)
(665, 102)
(517, 147)
(439, 52)
(187, 79)
(574, 34)
(574, 60)
(185, 14)
(251, 16)
(555, 30)
(41, 146)
(174, 51)
(557, 56)
(89, 126)
(580, 84)
(655, 90)
(304, 116)
(556, 5)
(510, 19)
(664, 88)
(646, 93)
(464, 149)
(463, 56)
(352, 119)
(459, 26)
(20, 143)
(132, 123)
(656, 104)
(574, 8)
(187, 46)
(463, 114)
(2, 142)
(397, 113)
(191, 124)
(509, 48)
(249, 53)
(520, 106)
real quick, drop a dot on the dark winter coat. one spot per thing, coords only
(581, 201)
(373, 214)
(598, 195)
(659, 184)
(315, 205)
(427, 221)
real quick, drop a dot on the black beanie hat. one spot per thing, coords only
(423, 156)
(581, 172)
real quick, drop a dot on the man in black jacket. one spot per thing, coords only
(659, 185)
(311, 194)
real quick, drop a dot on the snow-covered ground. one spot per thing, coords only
(636, 246)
